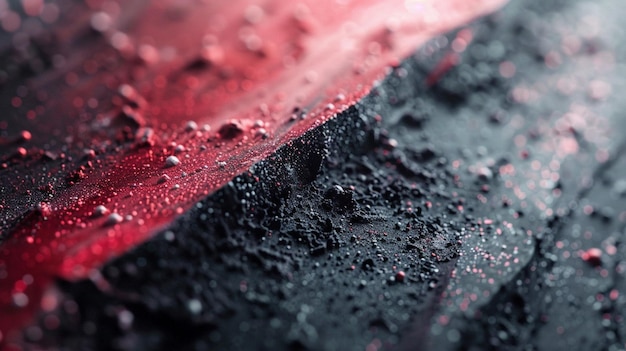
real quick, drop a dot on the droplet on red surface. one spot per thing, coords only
(148, 54)
(101, 22)
(262, 133)
(191, 126)
(172, 161)
(114, 218)
(254, 14)
(20, 299)
(212, 54)
(100, 211)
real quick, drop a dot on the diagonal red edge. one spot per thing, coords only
(101, 124)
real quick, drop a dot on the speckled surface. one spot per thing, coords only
(474, 200)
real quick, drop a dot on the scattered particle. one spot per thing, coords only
(145, 136)
(100, 211)
(262, 133)
(162, 179)
(194, 306)
(20, 299)
(114, 218)
(148, 54)
(254, 14)
(593, 256)
(179, 148)
(26, 135)
(101, 22)
(211, 54)
(125, 319)
(169, 236)
(599, 90)
(44, 209)
(400, 276)
(230, 130)
(191, 126)
(172, 161)
(89, 154)
(484, 173)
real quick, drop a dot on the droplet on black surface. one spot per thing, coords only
(194, 306)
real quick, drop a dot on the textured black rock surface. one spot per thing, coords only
(444, 217)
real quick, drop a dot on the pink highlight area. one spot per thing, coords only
(250, 75)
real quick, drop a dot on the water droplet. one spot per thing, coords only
(254, 14)
(20, 299)
(114, 218)
(191, 126)
(194, 306)
(172, 161)
(26, 135)
(101, 22)
(100, 211)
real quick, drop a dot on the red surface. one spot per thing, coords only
(158, 66)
